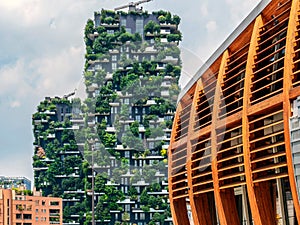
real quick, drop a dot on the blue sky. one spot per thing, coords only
(42, 54)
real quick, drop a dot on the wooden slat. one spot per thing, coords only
(287, 85)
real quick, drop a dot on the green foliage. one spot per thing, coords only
(152, 27)
(174, 37)
(176, 19)
(131, 141)
(134, 128)
(89, 27)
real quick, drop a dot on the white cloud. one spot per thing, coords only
(13, 79)
(203, 10)
(15, 104)
(239, 9)
(211, 26)
(62, 72)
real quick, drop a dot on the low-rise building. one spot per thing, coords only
(14, 182)
(16, 208)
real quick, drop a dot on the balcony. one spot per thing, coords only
(40, 168)
(51, 136)
(170, 59)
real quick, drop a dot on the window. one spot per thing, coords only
(127, 154)
(138, 118)
(151, 145)
(123, 22)
(27, 217)
(128, 30)
(54, 203)
(98, 66)
(142, 216)
(110, 31)
(36, 218)
(114, 58)
(139, 27)
(114, 66)
(127, 208)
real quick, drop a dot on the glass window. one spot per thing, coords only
(114, 58)
(128, 30)
(138, 118)
(123, 22)
(140, 27)
(114, 66)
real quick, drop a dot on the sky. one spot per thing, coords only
(42, 54)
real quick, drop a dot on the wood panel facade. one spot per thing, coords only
(230, 156)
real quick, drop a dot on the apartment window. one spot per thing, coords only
(36, 210)
(114, 58)
(127, 208)
(136, 216)
(36, 219)
(142, 216)
(128, 30)
(126, 101)
(151, 145)
(43, 202)
(18, 216)
(127, 154)
(116, 216)
(139, 27)
(114, 66)
(27, 216)
(123, 22)
(110, 31)
(98, 66)
(138, 118)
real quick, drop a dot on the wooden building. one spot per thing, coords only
(234, 153)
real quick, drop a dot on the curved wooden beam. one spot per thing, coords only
(227, 215)
(200, 211)
(178, 207)
(259, 203)
(245, 123)
(287, 86)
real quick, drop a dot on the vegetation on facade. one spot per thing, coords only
(111, 118)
